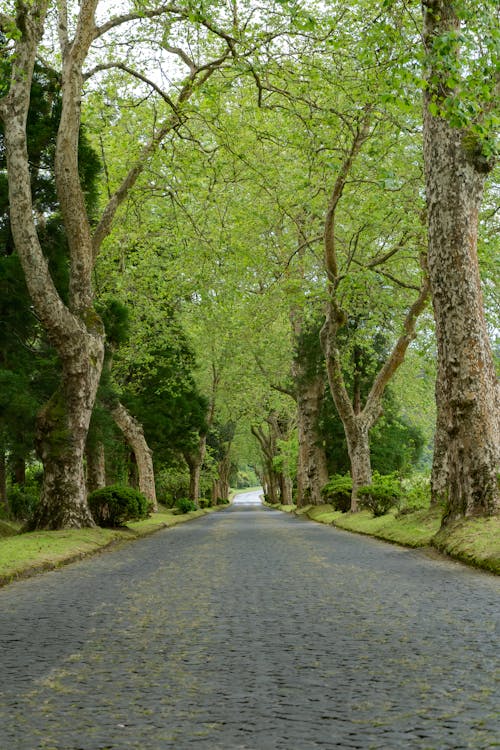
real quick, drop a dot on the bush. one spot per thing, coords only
(22, 502)
(205, 502)
(185, 505)
(114, 505)
(337, 492)
(416, 494)
(382, 494)
(222, 501)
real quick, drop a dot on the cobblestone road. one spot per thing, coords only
(251, 630)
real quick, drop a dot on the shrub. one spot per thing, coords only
(185, 505)
(205, 502)
(222, 501)
(114, 505)
(337, 492)
(22, 502)
(382, 494)
(416, 494)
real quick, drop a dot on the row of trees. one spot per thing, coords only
(268, 172)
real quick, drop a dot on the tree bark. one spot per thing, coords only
(134, 435)
(286, 487)
(312, 470)
(466, 464)
(194, 461)
(62, 428)
(19, 471)
(220, 487)
(96, 466)
(3, 478)
(75, 331)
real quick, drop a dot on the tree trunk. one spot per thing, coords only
(3, 478)
(62, 429)
(269, 450)
(74, 330)
(134, 435)
(467, 393)
(358, 445)
(20, 471)
(312, 471)
(195, 463)
(286, 487)
(96, 466)
(220, 488)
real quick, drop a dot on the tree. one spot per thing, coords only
(459, 99)
(74, 328)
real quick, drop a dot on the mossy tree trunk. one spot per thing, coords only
(96, 466)
(134, 435)
(3, 477)
(312, 470)
(456, 165)
(194, 460)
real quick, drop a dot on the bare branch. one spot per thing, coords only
(135, 74)
(397, 355)
(362, 134)
(400, 283)
(62, 26)
(127, 17)
(183, 56)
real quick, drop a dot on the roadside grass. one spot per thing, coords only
(473, 541)
(8, 528)
(22, 555)
(412, 529)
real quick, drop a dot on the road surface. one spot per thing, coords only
(249, 629)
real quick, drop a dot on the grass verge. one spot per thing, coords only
(473, 541)
(24, 555)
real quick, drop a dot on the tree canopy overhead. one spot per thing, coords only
(256, 185)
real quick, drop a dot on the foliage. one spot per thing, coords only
(172, 484)
(337, 492)
(112, 506)
(22, 501)
(416, 494)
(382, 494)
(185, 505)
(396, 442)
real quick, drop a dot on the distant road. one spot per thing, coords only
(253, 497)
(249, 629)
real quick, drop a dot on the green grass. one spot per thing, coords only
(413, 529)
(22, 555)
(8, 528)
(475, 541)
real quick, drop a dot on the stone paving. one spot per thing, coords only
(249, 629)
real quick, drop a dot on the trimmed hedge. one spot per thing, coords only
(337, 492)
(382, 494)
(185, 505)
(114, 505)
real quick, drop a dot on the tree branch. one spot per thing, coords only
(362, 133)
(396, 357)
(135, 74)
(127, 17)
(104, 226)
